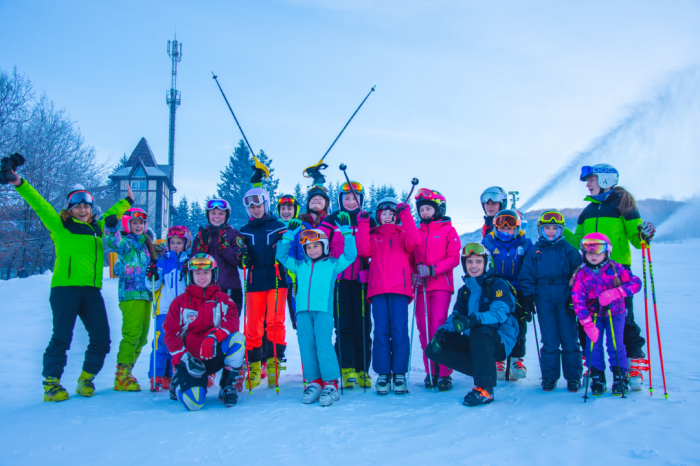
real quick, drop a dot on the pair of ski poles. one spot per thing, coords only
(647, 249)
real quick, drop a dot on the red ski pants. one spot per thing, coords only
(260, 306)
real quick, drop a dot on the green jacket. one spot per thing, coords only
(605, 217)
(79, 256)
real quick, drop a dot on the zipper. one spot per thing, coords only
(94, 276)
(403, 272)
(597, 217)
(70, 260)
(308, 299)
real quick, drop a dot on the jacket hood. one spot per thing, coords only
(197, 293)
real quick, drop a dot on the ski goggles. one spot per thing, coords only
(552, 217)
(473, 248)
(506, 221)
(314, 191)
(493, 196)
(138, 214)
(80, 197)
(201, 263)
(596, 246)
(287, 201)
(311, 236)
(180, 232)
(220, 204)
(386, 206)
(352, 186)
(428, 195)
(253, 199)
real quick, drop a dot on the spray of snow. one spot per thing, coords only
(683, 224)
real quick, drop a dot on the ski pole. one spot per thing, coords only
(537, 340)
(155, 332)
(274, 332)
(346, 124)
(245, 325)
(646, 312)
(337, 334)
(414, 183)
(656, 316)
(617, 356)
(427, 334)
(588, 360)
(364, 343)
(410, 348)
(344, 167)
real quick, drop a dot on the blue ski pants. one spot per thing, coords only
(391, 343)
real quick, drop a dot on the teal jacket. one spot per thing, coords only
(316, 279)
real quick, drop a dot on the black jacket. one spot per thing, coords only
(261, 236)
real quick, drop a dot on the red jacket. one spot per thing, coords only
(193, 314)
(441, 241)
(389, 246)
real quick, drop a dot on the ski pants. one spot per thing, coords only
(391, 343)
(519, 347)
(136, 319)
(438, 306)
(352, 317)
(264, 318)
(67, 304)
(315, 335)
(162, 355)
(559, 341)
(474, 354)
(191, 390)
(597, 360)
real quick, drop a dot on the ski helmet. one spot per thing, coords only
(597, 243)
(387, 203)
(350, 188)
(477, 249)
(318, 190)
(79, 196)
(550, 217)
(221, 204)
(180, 232)
(256, 196)
(132, 213)
(608, 176)
(202, 262)
(494, 194)
(314, 236)
(434, 199)
(288, 199)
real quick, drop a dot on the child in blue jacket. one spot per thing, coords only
(316, 274)
(508, 246)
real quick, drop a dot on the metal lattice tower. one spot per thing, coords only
(173, 101)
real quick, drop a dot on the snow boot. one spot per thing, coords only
(172, 389)
(329, 394)
(124, 381)
(478, 396)
(383, 384)
(349, 378)
(253, 379)
(312, 392)
(166, 383)
(635, 376)
(430, 381)
(500, 370)
(53, 391)
(228, 393)
(598, 385)
(517, 369)
(619, 387)
(573, 385)
(548, 385)
(400, 387)
(272, 369)
(85, 385)
(444, 384)
(364, 380)
(156, 383)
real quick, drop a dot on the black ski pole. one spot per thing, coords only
(414, 183)
(252, 152)
(537, 342)
(346, 124)
(588, 360)
(344, 167)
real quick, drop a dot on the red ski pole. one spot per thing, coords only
(656, 316)
(274, 332)
(245, 325)
(646, 312)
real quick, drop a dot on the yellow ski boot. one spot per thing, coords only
(53, 391)
(253, 379)
(124, 381)
(349, 378)
(364, 380)
(272, 381)
(85, 385)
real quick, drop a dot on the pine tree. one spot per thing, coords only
(301, 198)
(121, 163)
(269, 184)
(197, 217)
(183, 213)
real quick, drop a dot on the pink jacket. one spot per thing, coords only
(588, 285)
(441, 241)
(358, 269)
(389, 246)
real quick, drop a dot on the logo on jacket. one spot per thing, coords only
(521, 251)
(190, 315)
(239, 241)
(499, 293)
(496, 251)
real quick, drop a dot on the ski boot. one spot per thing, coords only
(85, 385)
(349, 378)
(228, 393)
(548, 385)
(329, 394)
(573, 385)
(444, 384)
(400, 387)
(517, 369)
(637, 366)
(124, 381)
(172, 389)
(272, 369)
(383, 384)
(478, 396)
(598, 385)
(166, 383)
(253, 379)
(500, 370)
(619, 387)
(312, 392)
(53, 391)
(430, 381)
(156, 383)
(364, 380)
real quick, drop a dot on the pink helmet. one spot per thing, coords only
(134, 212)
(596, 242)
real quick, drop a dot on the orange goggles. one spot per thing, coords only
(201, 263)
(286, 201)
(552, 217)
(138, 214)
(353, 185)
(311, 236)
(506, 221)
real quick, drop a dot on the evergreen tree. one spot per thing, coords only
(300, 194)
(183, 213)
(121, 163)
(269, 184)
(197, 217)
(333, 191)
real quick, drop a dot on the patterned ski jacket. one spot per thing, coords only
(589, 284)
(438, 246)
(134, 258)
(171, 281)
(508, 257)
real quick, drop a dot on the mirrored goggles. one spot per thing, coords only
(492, 196)
(201, 263)
(353, 185)
(552, 217)
(473, 248)
(81, 197)
(311, 236)
(386, 206)
(220, 204)
(586, 172)
(138, 214)
(254, 199)
(506, 221)
(596, 246)
(287, 201)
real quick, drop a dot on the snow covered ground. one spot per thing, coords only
(523, 426)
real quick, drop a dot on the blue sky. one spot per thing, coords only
(469, 94)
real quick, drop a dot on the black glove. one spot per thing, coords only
(462, 322)
(294, 224)
(528, 304)
(185, 270)
(111, 221)
(243, 256)
(343, 219)
(223, 244)
(364, 214)
(9, 164)
(439, 340)
(647, 230)
(152, 272)
(203, 236)
(258, 175)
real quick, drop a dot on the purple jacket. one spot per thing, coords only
(589, 284)
(226, 259)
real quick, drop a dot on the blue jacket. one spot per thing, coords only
(316, 279)
(171, 281)
(508, 257)
(493, 309)
(261, 236)
(547, 270)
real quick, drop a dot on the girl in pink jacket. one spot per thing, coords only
(390, 246)
(435, 257)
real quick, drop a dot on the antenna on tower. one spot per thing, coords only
(173, 100)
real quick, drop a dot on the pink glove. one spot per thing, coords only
(401, 207)
(590, 328)
(608, 296)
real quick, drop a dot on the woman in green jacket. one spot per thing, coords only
(75, 285)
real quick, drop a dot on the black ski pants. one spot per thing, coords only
(67, 304)
(474, 355)
(349, 337)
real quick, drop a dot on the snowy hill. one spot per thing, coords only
(524, 425)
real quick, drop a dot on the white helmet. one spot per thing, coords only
(494, 194)
(256, 196)
(314, 236)
(608, 176)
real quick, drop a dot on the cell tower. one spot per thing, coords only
(173, 101)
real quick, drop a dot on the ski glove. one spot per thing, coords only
(425, 270)
(223, 243)
(294, 224)
(462, 322)
(203, 235)
(364, 214)
(401, 207)
(439, 340)
(590, 328)
(243, 256)
(111, 221)
(152, 271)
(192, 365)
(613, 294)
(343, 219)
(528, 304)
(184, 271)
(647, 230)
(208, 348)
(417, 280)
